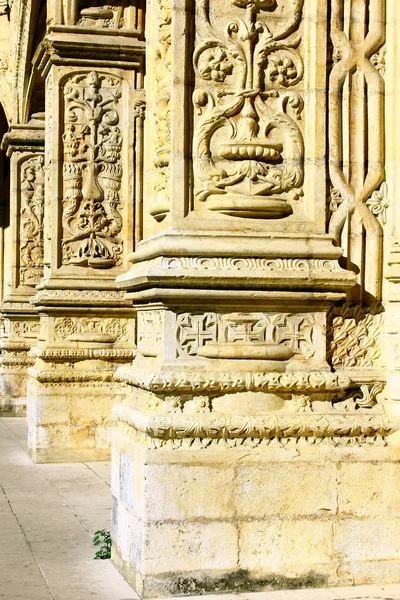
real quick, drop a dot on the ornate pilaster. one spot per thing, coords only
(258, 290)
(23, 260)
(93, 64)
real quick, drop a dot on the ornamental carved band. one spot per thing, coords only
(31, 221)
(92, 172)
(248, 145)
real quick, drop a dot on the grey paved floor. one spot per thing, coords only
(48, 514)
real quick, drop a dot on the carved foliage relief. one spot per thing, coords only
(248, 146)
(31, 221)
(92, 171)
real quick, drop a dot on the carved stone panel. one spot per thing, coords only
(250, 335)
(150, 332)
(31, 221)
(92, 219)
(248, 145)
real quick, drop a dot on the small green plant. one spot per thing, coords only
(102, 537)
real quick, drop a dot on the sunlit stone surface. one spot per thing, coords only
(201, 253)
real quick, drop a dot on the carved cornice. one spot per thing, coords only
(65, 44)
(24, 138)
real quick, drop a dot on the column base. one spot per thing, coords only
(208, 519)
(71, 421)
(14, 366)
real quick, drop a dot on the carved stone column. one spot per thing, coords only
(244, 459)
(23, 260)
(92, 63)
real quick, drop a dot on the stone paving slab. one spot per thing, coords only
(48, 514)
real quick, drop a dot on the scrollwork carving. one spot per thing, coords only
(91, 211)
(248, 147)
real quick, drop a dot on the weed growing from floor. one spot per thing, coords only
(102, 537)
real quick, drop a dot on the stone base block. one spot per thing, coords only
(71, 421)
(13, 392)
(188, 522)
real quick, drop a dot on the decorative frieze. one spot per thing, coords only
(208, 430)
(215, 382)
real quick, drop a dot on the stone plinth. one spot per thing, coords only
(226, 515)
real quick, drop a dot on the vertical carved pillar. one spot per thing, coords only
(93, 65)
(23, 260)
(259, 315)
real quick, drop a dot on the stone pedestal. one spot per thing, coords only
(248, 518)
(91, 145)
(259, 386)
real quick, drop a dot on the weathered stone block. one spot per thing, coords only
(368, 489)
(189, 492)
(285, 489)
(295, 546)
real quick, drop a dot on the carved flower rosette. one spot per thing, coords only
(248, 144)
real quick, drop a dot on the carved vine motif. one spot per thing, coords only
(91, 215)
(65, 327)
(162, 109)
(296, 332)
(358, 67)
(248, 147)
(354, 336)
(31, 221)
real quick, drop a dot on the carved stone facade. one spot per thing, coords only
(206, 260)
